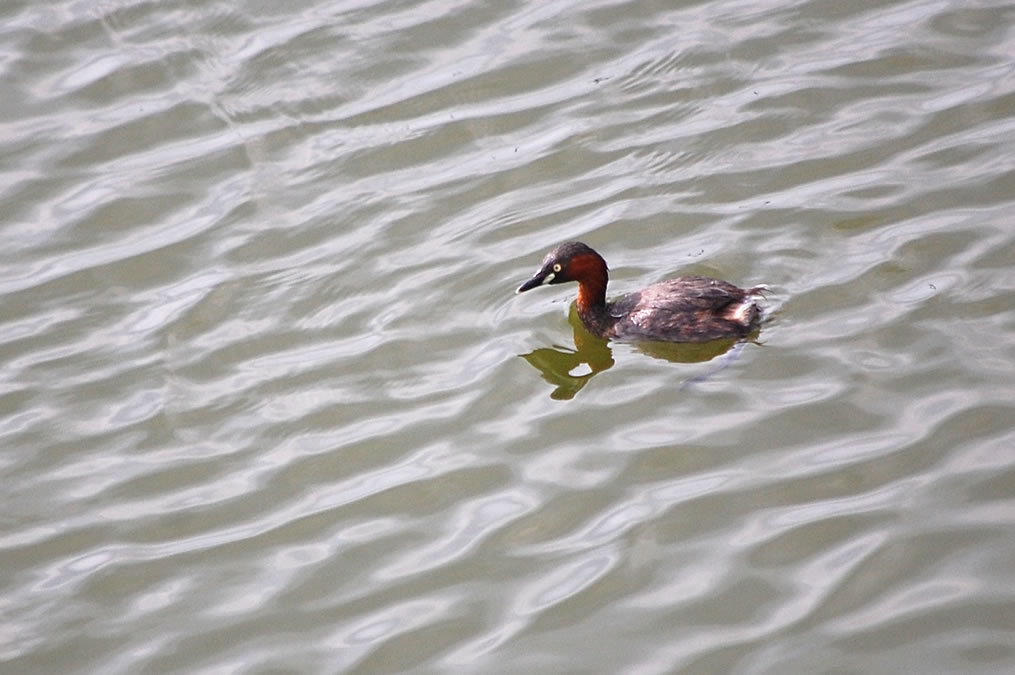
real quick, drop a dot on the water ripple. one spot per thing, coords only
(261, 394)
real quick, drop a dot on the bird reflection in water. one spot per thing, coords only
(593, 355)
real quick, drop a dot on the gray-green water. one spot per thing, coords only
(268, 403)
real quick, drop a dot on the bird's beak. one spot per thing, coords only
(540, 279)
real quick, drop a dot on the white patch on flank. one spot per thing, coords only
(740, 313)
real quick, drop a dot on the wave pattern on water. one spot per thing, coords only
(261, 397)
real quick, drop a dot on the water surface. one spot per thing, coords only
(268, 402)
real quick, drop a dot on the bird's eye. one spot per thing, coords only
(556, 267)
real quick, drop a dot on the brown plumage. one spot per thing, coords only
(683, 309)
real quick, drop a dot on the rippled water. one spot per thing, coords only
(268, 404)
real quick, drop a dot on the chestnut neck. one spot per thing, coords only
(592, 308)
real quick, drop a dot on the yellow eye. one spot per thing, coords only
(556, 267)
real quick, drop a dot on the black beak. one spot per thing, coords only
(530, 284)
(542, 277)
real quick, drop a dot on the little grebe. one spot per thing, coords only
(684, 309)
